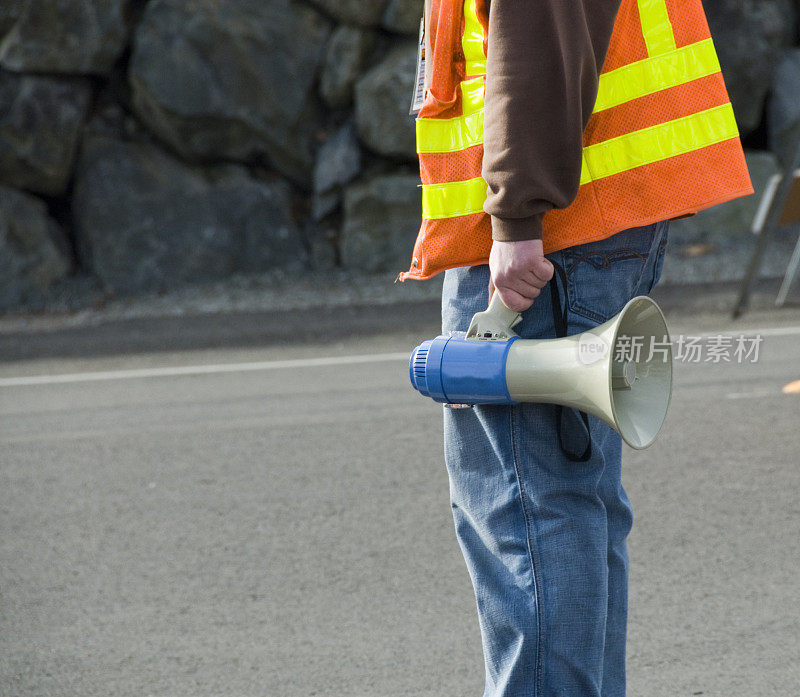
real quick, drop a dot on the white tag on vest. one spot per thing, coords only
(418, 98)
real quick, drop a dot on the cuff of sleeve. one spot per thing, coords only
(517, 229)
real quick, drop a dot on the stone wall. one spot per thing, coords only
(146, 144)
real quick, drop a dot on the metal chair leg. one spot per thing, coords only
(788, 278)
(771, 223)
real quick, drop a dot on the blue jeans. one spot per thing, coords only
(544, 538)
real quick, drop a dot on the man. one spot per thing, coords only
(568, 133)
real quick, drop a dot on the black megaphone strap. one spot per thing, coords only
(560, 322)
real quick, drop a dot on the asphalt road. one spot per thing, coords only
(284, 529)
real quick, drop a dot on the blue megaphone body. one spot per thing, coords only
(456, 370)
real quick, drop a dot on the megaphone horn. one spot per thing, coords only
(620, 371)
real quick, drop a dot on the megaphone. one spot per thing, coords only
(620, 371)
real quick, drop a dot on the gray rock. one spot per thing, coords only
(30, 259)
(232, 81)
(323, 205)
(383, 97)
(345, 57)
(10, 12)
(402, 16)
(338, 160)
(110, 119)
(750, 36)
(731, 220)
(365, 13)
(40, 121)
(784, 108)
(381, 220)
(322, 241)
(62, 36)
(145, 221)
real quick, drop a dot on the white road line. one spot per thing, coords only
(290, 364)
(201, 369)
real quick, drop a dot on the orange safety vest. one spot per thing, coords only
(661, 142)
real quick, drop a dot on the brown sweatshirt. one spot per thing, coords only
(543, 62)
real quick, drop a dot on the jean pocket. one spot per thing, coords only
(603, 276)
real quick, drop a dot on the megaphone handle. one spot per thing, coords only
(495, 322)
(503, 313)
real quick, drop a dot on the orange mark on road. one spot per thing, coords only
(792, 388)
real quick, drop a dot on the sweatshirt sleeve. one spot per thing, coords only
(543, 62)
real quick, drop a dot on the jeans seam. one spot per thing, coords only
(529, 527)
(620, 254)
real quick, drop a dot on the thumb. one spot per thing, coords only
(491, 288)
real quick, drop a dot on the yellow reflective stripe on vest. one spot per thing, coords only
(472, 40)
(601, 160)
(656, 27)
(451, 135)
(660, 142)
(658, 73)
(453, 199)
